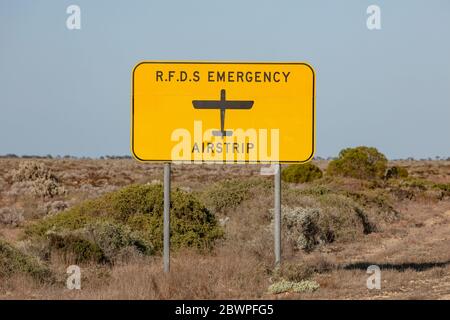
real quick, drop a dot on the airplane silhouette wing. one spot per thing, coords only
(218, 104)
(206, 104)
(238, 104)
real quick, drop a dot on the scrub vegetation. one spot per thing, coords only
(300, 173)
(13, 262)
(360, 163)
(129, 219)
(338, 217)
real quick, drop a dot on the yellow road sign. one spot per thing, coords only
(237, 112)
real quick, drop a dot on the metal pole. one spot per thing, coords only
(277, 211)
(166, 250)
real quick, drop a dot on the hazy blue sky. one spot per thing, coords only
(68, 92)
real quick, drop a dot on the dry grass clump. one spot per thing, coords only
(298, 276)
(295, 272)
(226, 274)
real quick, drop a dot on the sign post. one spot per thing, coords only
(223, 112)
(277, 213)
(166, 235)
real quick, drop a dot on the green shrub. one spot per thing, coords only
(70, 220)
(137, 199)
(396, 172)
(113, 238)
(132, 217)
(13, 261)
(300, 173)
(73, 245)
(360, 163)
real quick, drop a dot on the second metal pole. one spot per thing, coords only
(277, 212)
(166, 253)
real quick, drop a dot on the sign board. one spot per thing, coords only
(216, 112)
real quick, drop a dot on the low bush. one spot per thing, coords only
(305, 286)
(302, 227)
(34, 178)
(13, 261)
(72, 245)
(323, 219)
(32, 170)
(396, 172)
(113, 239)
(11, 216)
(376, 200)
(412, 188)
(360, 163)
(301, 173)
(297, 287)
(343, 218)
(280, 287)
(132, 217)
(99, 242)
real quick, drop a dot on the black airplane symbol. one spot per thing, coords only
(223, 105)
